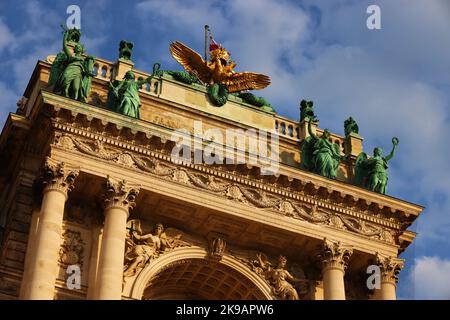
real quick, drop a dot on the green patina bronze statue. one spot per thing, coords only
(371, 173)
(71, 73)
(350, 126)
(123, 96)
(319, 155)
(125, 50)
(256, 101)
(306, 110)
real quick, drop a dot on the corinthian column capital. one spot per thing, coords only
(58, 176)
(390, 267)
(334, 254)
(119, 193)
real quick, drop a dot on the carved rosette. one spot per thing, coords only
(390, 267)
(120, 194)
(333, 254)
(58, 176)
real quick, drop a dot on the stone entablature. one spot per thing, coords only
(293, 193)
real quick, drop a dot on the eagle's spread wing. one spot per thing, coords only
(190, 60)
(247, 81)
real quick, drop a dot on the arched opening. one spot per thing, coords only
(187, 273)
(201, 279)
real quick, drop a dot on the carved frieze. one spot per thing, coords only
(238, 192)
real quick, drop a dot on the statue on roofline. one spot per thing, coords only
(217, 73)
(71, 73)
(320, 155)
(123, 96)
(350, 126)
(371, 173)
(125, 50)
(307, 111)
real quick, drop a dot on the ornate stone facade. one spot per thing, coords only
(143, 225)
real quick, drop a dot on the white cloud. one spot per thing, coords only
(6, 36)
(430, 278)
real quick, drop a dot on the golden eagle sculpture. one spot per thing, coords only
(217, 73)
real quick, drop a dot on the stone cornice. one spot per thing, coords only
(147, 139)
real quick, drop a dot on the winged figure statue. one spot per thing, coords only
(218, 73)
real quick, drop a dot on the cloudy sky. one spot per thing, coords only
(394, 81)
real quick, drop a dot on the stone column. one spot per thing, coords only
(94, 261)
(119, 198)
(334, 258)
(390, 267)
(41, 269)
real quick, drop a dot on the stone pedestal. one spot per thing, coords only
(121, 67)
(303, 128)
(118, 200)
(334, 258)
(353, 145)
(42, 263)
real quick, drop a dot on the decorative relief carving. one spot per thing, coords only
(72, 249)
(286, 283)
(334, 254)
(142, 248)
(57, 176)
(216, 246)
(251, 196)
(390, 267)
(181, 176)
(120, 194)
(98, 150)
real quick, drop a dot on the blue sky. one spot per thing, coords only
(394, 81)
